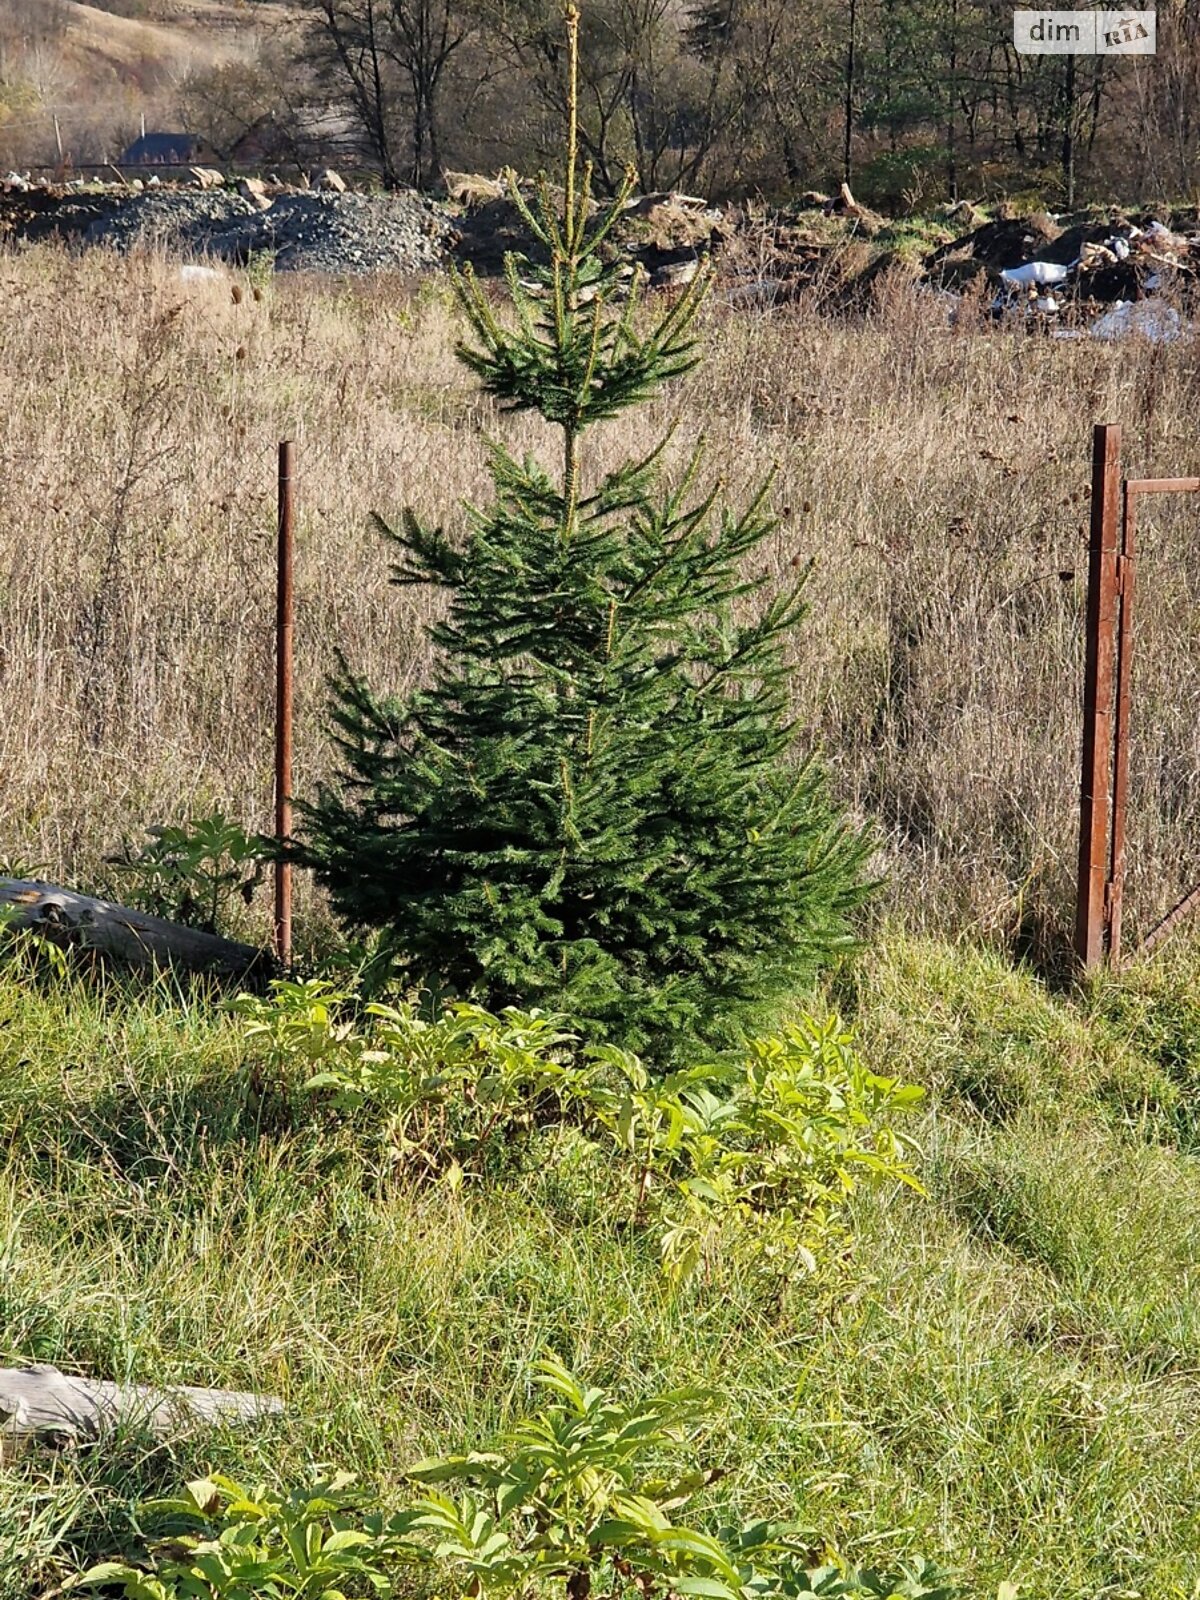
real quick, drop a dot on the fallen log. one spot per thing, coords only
(40, 1402)
(132, 936)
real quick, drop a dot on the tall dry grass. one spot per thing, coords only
(938, 478)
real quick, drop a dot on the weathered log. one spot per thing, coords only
(132, 936)
(42, 1402)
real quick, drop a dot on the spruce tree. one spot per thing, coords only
(596, 805)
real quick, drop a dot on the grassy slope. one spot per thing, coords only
(100, 71)
(100, 46)
(99, 43)
(1004, 1375)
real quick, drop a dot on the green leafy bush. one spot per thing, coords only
(582, 1498)
(773, 1144)
(439, 1091)
(300, 1020)
(758, 1153)
(238, 1544)
(193, 874)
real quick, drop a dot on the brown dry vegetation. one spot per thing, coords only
(937, 477)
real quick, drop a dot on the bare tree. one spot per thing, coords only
(785, 128)
(224, 102)
(654, 81)
(390, 58)
(28, 21)
(530, 34)
(1166, 98)
(27, 26)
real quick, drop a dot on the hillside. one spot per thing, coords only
(99, 72)
(164, 35)
(100, 44)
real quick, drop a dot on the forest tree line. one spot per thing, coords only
(910, 101)
(913, 102)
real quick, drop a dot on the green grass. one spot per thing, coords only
(1004, 1376)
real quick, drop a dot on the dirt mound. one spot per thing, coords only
(665, 232)
(183, 220)
(34, 215)
(343, 233)
(1001, 244)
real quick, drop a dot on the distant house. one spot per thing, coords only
(167, 150)
(307, 137)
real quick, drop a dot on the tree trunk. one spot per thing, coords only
(848, 108)
(42, 1402)
(952, 106)
(1068, 133)
(132, 936)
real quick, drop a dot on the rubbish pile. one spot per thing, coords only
(1067, 276)
(1091, 275)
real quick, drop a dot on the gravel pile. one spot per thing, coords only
(343, 233)
(334, 233)
(186, 220)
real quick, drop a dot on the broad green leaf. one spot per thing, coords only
(104, 1572)
(708, 1588)
(348, 1539)
(698, 1547)
(205, 1495)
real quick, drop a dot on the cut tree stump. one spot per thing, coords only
(132, 936)
(42, 1402)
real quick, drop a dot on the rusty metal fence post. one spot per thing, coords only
(1096, 780)
(283, 702)
(1121, 712)
(1107, 704)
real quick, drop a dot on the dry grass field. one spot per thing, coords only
(937, 477)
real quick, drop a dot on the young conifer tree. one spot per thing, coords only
(596, 805)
